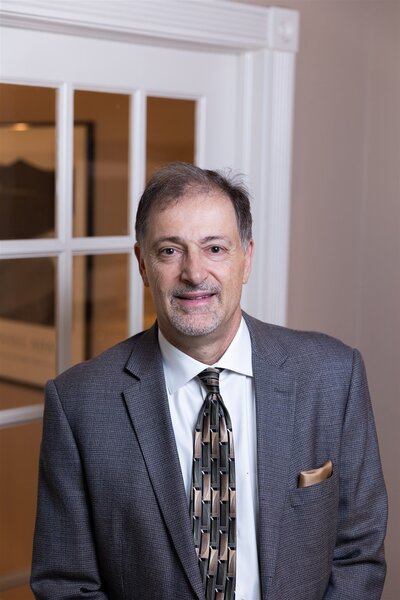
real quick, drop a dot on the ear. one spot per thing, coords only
(141, 264)
(248, 261)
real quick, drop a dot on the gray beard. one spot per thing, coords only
(183, 325)
(181, 321)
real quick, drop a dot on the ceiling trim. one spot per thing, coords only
(205, 23)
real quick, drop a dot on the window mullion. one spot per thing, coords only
(137, 167)
(64, 213)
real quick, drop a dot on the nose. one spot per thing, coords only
(193, 268)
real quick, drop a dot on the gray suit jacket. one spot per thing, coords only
(113, 520)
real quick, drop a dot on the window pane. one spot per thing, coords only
(100, 316)
(171, 136)
(19, 455)
(170, 132)
(101, 168)
(15, 395)
(27, 329)
(18, 593)
(27, 162)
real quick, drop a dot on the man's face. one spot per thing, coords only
(194, 262)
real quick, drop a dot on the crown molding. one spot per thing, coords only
(204, 23)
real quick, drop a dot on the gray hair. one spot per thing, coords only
(177, 179)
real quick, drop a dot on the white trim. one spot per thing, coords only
(278, 222)
(102, 245)
(200, 132)
(214, 23)
(65, 120)
(64, 184)
(31, 248)
(64, 310)
(20, 416)
(283, 32)
(268, 140)
(137, 179)
(77, 245)
(246, 90)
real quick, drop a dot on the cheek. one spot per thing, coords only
(236, 278)
(160, 279)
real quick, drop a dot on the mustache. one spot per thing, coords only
(190, 289)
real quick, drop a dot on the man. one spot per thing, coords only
(132, 506)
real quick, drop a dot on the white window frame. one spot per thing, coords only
(266, 42)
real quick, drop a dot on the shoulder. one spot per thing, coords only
(108, 369)
(309, 350)
(315, 361)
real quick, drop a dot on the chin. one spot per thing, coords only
(193, 327)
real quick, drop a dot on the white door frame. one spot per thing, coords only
(266, 41)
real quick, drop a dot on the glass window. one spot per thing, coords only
(100, 315)
(27, 329)
(170, 132)
(19, 455)
(101, 163)
(27, 162)
(17, 593)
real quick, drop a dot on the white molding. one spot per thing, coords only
(283, 32)
(277, 232)
(213, 23)
(64, 225)
(53, 247)
(33, 248)
(137, 182)
(269, 139)
(20, 416)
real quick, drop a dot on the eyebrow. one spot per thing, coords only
(174, 239)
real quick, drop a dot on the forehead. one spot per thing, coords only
(195, 206)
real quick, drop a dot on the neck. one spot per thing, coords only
(208, 354)
(204, 348)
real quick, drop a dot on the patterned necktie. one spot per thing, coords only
(213, 493)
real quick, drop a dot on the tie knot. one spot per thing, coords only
(210, 378)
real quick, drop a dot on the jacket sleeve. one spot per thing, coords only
(358, 569)
(64, 562)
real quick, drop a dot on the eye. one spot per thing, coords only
(167, 251)
(215, 249)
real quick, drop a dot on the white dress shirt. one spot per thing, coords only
(186, 396)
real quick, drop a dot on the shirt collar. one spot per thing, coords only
(179, 368)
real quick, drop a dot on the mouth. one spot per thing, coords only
(195, 298)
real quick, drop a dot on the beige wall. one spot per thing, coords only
(345, 230)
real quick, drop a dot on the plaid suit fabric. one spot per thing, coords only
(213, 493)
(111, 484)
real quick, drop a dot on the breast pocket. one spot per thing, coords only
(309, 529)
(326, 491)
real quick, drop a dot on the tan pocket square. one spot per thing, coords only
(313, 476)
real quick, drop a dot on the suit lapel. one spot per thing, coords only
(275, 408)
(147, 404)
